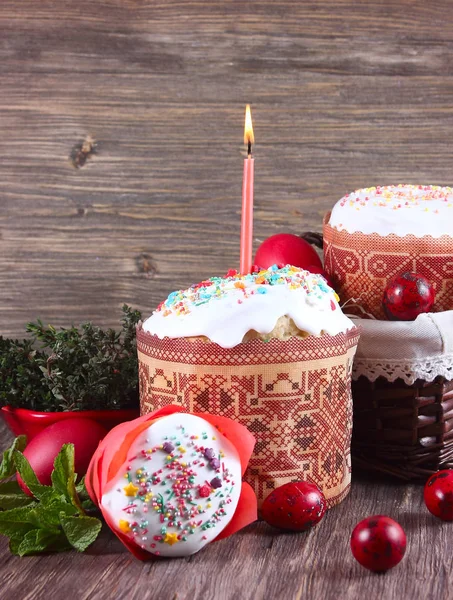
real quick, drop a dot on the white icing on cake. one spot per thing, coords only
(399, 209)
(172, 502)
(225, 309)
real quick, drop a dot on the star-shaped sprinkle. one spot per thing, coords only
(124, 526)
(171, 538)
(130, 490)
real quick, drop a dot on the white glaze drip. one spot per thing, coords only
(225, 319)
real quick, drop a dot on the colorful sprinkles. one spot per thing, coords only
(400, 197)
(183, 506)
(182, 302)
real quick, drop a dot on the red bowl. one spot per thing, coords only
(22, 421)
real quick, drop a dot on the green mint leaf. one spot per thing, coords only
(82, 490)
(28, 475)
(43, 518)
(84, 497)
(11, 496)
(10, 501)
(53, 520)
(7, 466)
(63, 469)
(14, 544)
(89, 506)
(54, 509)
(63, 476)
(15, 529)
(50, 496)
(10, 487)
(16, 522)
(36, 540)
(17, 515)
(80, 531)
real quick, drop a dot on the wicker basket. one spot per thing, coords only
(403, 430)
(400, 429)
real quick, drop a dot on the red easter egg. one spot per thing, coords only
(438, 495)
(286, 249)
(84, 433)
(295, 506)
(407, 296)
(378, 543)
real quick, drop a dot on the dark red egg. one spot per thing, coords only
(438, 495)
(378, 543)
(295, 506)
(406, 296)
(286, 249)
(84, 433)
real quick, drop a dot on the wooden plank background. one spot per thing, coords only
(344, 94)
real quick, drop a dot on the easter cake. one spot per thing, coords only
(272, 350)
(375, 233)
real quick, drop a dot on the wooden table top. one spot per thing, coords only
(344, 95)
(258, 562)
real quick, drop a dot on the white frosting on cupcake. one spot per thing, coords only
(399, 209)
(180, 489)
(226, 309)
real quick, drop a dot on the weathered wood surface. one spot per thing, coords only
(257, 563)
(344, 94)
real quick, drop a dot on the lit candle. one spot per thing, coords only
(247, 198)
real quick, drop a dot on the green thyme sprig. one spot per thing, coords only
(21, 379)
(85, 368)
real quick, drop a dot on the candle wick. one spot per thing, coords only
(249, 148)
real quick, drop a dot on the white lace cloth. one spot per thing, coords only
(410, 350)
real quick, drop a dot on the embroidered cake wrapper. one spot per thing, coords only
(294, 396)
(361, 265)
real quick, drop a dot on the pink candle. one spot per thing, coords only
(247, 198)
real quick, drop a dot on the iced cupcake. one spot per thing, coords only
(272, 350)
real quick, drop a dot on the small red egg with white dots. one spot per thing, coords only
(438, 494)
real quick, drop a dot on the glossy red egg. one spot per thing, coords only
(406, 296)
(438, 494)
(295, 506)
(378, 543)
(84, 433)
(286, 249)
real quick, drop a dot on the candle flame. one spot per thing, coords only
(249, 138)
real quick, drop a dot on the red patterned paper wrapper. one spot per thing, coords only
(294, 396)
(361, 265)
